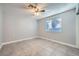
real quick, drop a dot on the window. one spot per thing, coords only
(53, 25)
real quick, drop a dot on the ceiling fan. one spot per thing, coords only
(34, 7)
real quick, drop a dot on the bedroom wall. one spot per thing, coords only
(17, 24)
(1, 33)
(77, 31)
(67, 35)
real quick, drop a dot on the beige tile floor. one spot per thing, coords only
(38, 47)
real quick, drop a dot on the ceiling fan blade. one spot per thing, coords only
(30, 6)
(42, 10)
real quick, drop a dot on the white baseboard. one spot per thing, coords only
(18, 40)
(74, 46)
(38, 37)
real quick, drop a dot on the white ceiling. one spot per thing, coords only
(50, 8)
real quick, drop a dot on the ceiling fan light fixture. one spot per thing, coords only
(36, 13)
(35, 8)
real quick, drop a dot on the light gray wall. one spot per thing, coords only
(77, 31)
(68, 33)
(17, 24)
(1, 24)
